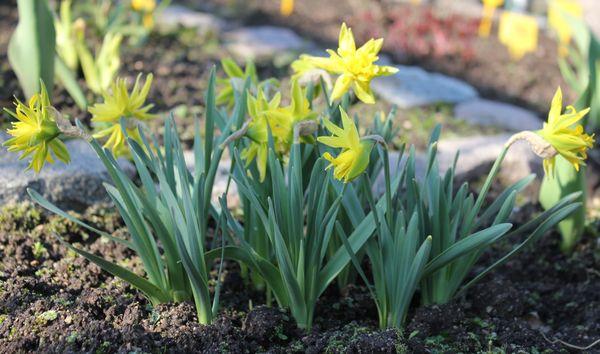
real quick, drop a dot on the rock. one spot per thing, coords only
(74, 186)
(220, 186)
(413, 87)
(502, 115)
(264, 43)
(477, 155)
(591, 13)
(176, 15)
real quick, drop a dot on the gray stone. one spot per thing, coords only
(502, 115)
(477, 155)
(263, 43)
(591, 13)
(221, 179)
(413, 87)
(176, 15)
(74, 186)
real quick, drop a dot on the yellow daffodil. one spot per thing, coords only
(557, 9)
(143, 5)
(119, 103)
(355, 66)
(566, 137)
(268, 115)
(261, 121)
(287, 7)
(519, 33)
(36, 132)
(354, 157)
(489, 7)
(146, 8)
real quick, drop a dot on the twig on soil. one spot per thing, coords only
(572, 346)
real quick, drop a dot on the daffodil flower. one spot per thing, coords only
(355, 67)
(36, 133)
(519, 33)
(354, 157)
(564, 134)
(259, 110)
(268, 115)
(146, 7)
(489, 7)
(119, 103)
(287, 7)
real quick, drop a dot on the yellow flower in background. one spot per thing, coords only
(354, 157)
(519, 33)
(119, 103)
(143, 5)
(557, 10)
(146, 7)
(566, 137)
(356, 67)
(287, 7)
(489, 7)
(35, 133)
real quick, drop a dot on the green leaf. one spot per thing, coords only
(31, 47)
(565, 180)
(68, 80)
(468, 244)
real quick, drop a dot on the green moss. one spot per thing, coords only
(72, 337)
(46, 317)
(3, 318)
(22, 216)
(339, 342)
(39, 250)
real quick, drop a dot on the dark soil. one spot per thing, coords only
(484, 63)
(54, 301)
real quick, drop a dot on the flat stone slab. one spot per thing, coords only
(263, 43)
(74, 186)
(503, 115)
(174, 16)
(414, 87)
(477, 155)
(221, 179)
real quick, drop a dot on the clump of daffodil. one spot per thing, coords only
(268, 115)
(564, 134)
(354, 157)
(119, 103)
(356, 67)
(36, 133)
(146, 8)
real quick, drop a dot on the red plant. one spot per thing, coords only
(420, 32)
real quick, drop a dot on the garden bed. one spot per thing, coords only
(54, 301)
